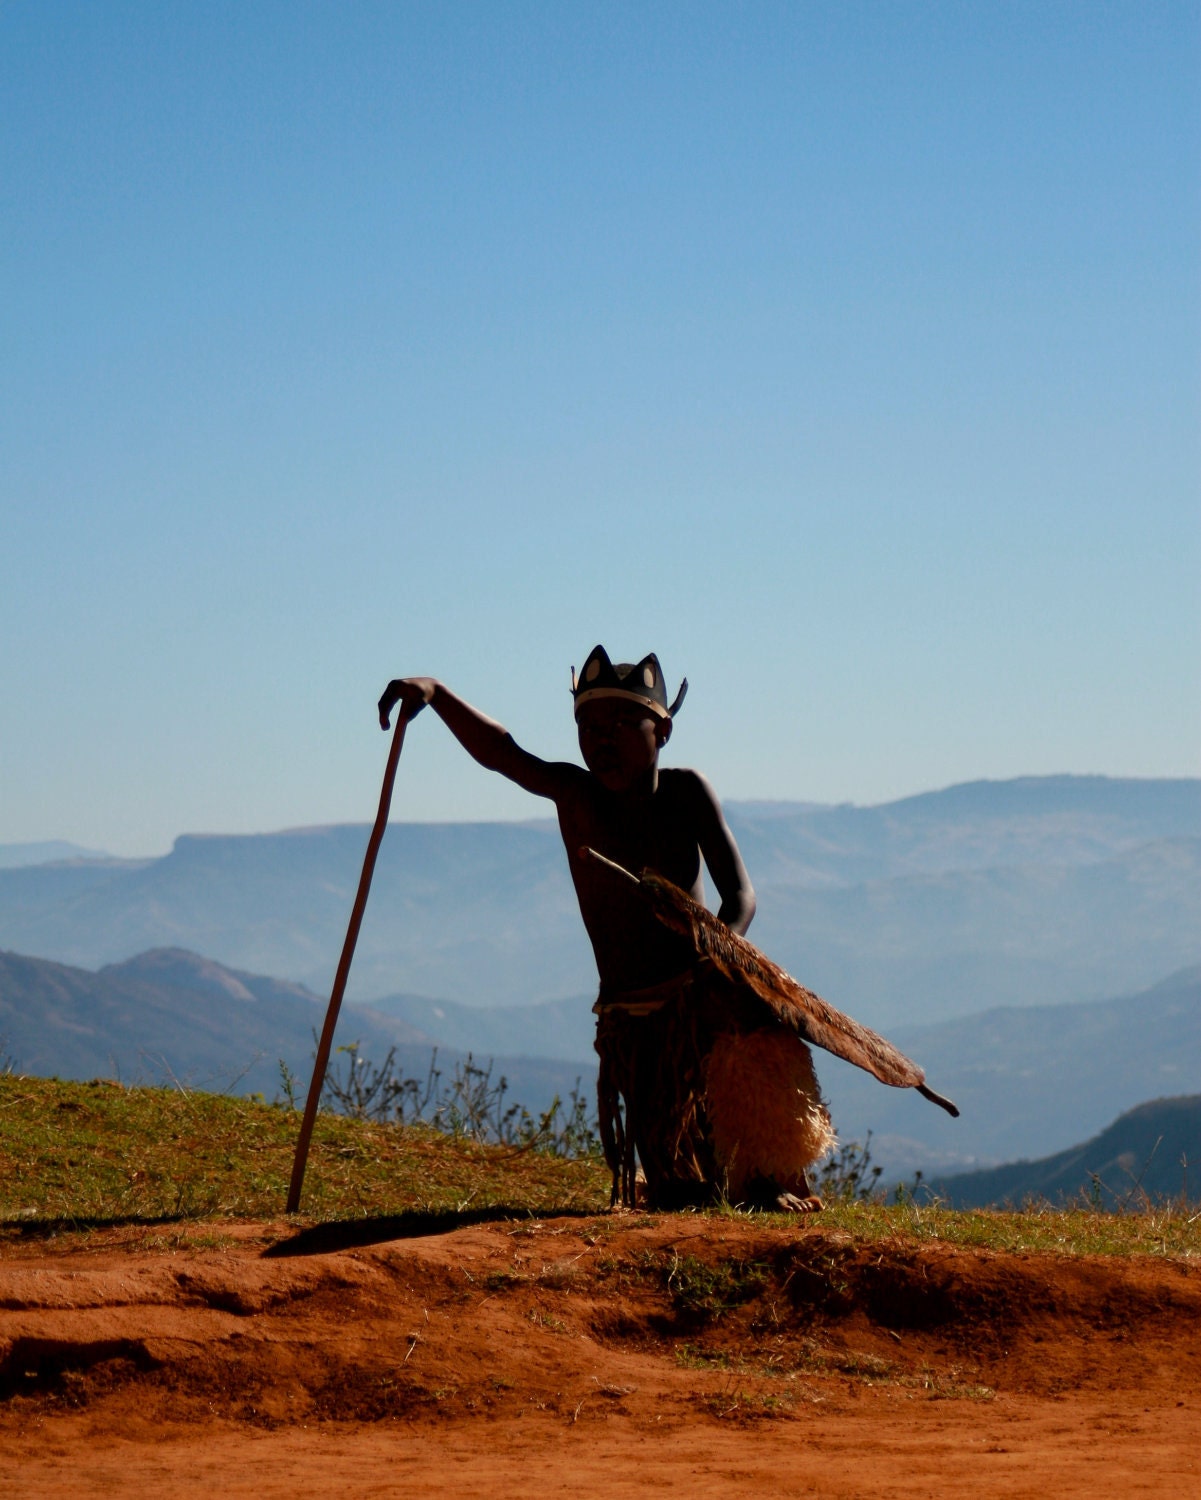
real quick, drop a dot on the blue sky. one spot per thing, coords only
(845, 355)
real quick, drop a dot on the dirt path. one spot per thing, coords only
(599, 1356)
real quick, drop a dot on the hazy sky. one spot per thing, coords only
(846, 355)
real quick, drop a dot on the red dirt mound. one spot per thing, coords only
(584, 1354)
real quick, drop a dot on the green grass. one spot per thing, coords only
(1168, 1230)
(91, 1153)
(86, 1154)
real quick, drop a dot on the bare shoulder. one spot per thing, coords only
(686, 782)
(693, 792)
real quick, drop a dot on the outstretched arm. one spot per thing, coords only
(723, 859)
(483, 738)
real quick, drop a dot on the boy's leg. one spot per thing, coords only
(616, 1105)
(673, 1142)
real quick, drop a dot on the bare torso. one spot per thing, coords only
(658, 831)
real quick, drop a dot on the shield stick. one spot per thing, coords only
(321, 1061)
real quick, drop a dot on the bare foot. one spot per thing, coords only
(789, 1203)
(765, 1194)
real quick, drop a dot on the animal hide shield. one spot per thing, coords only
(813, 1019)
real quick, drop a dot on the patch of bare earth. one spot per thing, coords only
(601, 1356)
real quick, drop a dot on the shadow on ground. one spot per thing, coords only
(49, 1228)
(352, 1234)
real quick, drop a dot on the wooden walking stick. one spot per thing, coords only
(321, 1062)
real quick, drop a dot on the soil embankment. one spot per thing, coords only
(600, 1354)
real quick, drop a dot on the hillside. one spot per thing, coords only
(1153, 1150)
(1026, 892)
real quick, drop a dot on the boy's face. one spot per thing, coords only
(620, 741)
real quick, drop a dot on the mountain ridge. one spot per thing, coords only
(877, 909)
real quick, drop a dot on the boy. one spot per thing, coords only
(656, 1023)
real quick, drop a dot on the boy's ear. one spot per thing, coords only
(662, 732)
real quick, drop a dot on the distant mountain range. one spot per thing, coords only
(169, 1016)
(1026, 892)
(1151, 1152)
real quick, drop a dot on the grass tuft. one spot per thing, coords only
(704, 1291)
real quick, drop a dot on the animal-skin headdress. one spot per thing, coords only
(641, 682)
